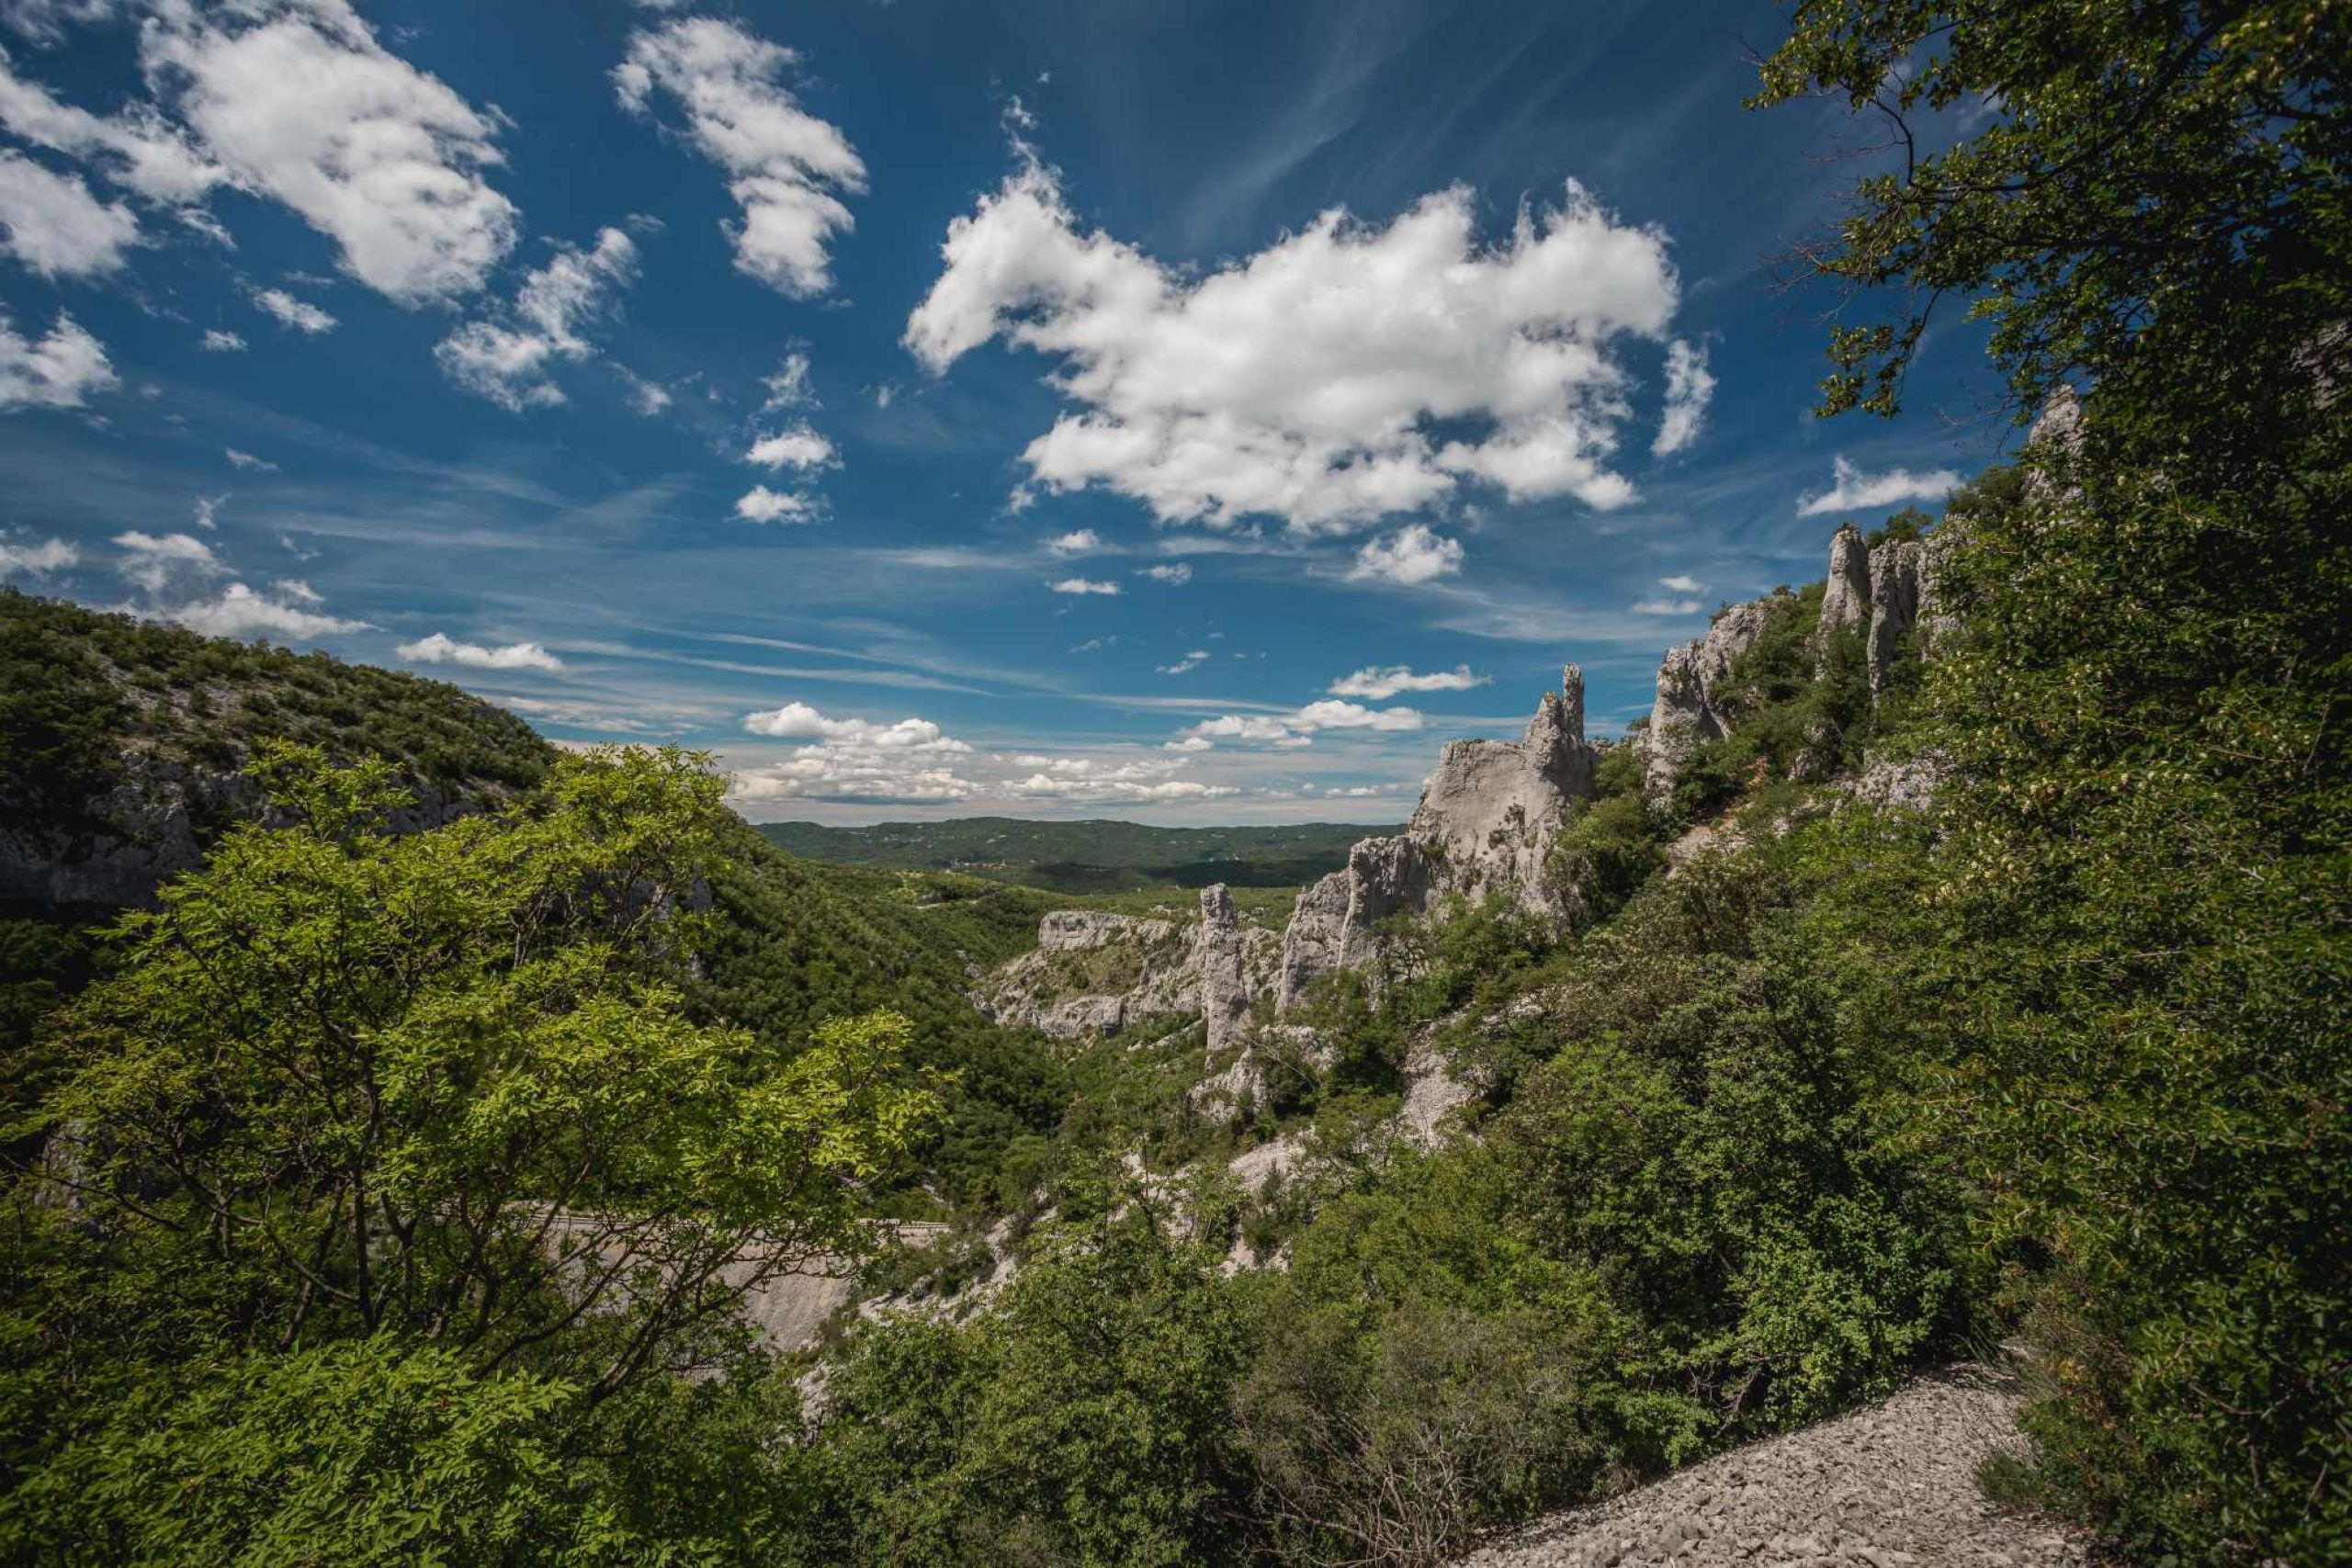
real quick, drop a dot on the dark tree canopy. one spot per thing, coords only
(2158, 194)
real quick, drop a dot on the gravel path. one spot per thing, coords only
(1891, 1486)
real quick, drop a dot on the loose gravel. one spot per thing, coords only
(1891, 1486)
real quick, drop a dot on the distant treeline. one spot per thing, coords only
(1085, 857)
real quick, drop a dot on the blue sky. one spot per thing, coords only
(1184, 413)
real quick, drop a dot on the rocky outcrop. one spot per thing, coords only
(1224, 982)
(1889, 591)
(1846, 597)
(1484, 826)
(1434, 1092)
(1687, 709)
(161, 820)
(1073, 931)
(1895, 605)
(1315, 943)
(1097, 973)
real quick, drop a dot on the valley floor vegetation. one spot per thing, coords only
(388, 1197)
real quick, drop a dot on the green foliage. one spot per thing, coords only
(1081, 1420)
(82, 691)
(2144, 903)
(351, 1453)
(793, 944)
(392, 1167)
(1399, 1443)
(2158, 196)
(1799, 706)
(1711, 1145)
(2137, 962)
(1614, 843)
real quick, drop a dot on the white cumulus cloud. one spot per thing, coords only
(505, 357)
(1077, 542)
(239, 612)
(784, 166)
(59, 371)
(1682, 582)
(1411, 555)
(137, 150)
(1082, 585)
(761, 504)
(799, 721)
(789, 388)
(299, 314)
(799, 448)
(1093, 781)
(854, 759)
(648, 398)
(153, 562)
(1192, 660)
(1305, 381)
(1665, 607)
(441, 648)
(1297, 728)
(53, 226)
(46, 21)
(1852, 489)
(1173, 573)
(1381, 683)
(297, 101)
(219, 342)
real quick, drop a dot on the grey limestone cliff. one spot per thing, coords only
(1687, 711)
(1889, 591)
(1096, 972)
(1484, 826)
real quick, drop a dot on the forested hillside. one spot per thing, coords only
(1085, 857)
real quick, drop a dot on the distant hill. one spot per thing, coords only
(1085, 857)
(123, 744)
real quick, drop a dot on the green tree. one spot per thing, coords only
(420, 1118)
(1081, 1419)
(2158, 195)
(2136, 970)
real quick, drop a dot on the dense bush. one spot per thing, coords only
(389, 1190)
(2138, 968)
(1715, 1149)
(79, 688)
(1082, 1419)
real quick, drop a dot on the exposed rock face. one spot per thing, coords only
(1890, 591)
(159, 822)
(1070, 930)
(1096, 972)
(1484, 825)
(1890, 1485)
(1316, 941)
(1686, 712)
(1225, 985)
(1846, 598)
(1432, 1091)
(1895, 605)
